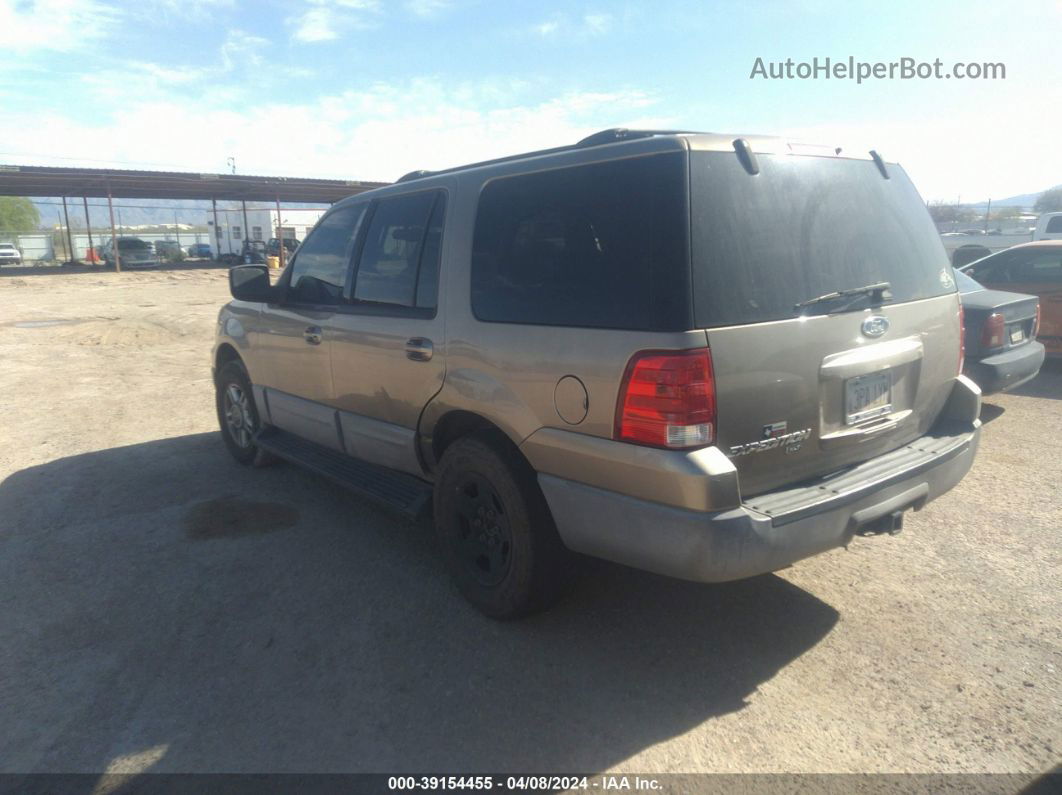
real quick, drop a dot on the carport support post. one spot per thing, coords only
(88, 225)
(280, 237)
(217, 229)
(114, 236)
(246, 229)
(69, 237)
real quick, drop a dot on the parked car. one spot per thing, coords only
(1048, 227)
(273, 247)
(133, 252)
(621, 360)
(1033, 268)
(968, 253)
(252, 252)
(169, 250)
(201, 251)
(1001, 327)
(9, 255)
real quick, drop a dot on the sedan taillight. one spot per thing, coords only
(993, 332)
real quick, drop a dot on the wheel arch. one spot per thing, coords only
(226, 353)
(458, 423)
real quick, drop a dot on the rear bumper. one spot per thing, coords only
(769, 531)
(1008, 369)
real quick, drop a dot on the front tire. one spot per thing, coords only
(238, 415)
(495, 529)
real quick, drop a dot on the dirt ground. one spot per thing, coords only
(164, 609)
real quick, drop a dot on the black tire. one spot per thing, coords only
(495, 529)
(238, 415)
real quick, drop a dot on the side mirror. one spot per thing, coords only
(251, 283)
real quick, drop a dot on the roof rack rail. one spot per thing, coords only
(609, 136)
(616, 134)
(419, 174)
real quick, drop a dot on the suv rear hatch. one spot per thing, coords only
(805, 391)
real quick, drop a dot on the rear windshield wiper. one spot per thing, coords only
(876, 291)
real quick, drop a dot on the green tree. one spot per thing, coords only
(950, 213)
(1050, 201)
(18, 214)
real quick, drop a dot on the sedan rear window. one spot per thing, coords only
(804, 227)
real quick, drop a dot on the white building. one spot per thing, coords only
(234, 226)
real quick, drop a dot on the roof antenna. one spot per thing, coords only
(746, 156)
(879, 163)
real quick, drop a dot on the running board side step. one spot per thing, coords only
(404, 493)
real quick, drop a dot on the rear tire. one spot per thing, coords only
(495, 529)
(238, 415)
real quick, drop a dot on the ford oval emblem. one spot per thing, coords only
(875, 326)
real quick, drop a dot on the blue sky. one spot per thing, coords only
(369, 89)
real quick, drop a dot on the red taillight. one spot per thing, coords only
(962, 338)
(993, 332)
(667, 399)
(1036, 323)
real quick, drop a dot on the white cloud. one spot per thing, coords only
(588, 25)
(325, 20)
(427, 8)
(957, 154)
(597, 23)
(242, 49)
(375, 134)
(55, 25)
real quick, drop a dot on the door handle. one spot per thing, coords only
(312, 335)
(419, 349)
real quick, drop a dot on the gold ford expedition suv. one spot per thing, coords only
(696, 354)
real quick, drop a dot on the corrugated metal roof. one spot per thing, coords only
(128, 184)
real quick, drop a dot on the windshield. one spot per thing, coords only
(804, 227)
(133, 245)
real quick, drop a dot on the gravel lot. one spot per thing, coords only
(164, 609)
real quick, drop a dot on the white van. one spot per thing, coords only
(1048, 227)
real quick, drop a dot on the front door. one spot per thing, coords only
(296, 334)
(387, 355)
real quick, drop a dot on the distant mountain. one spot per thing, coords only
(1026, 200)
(127, 212)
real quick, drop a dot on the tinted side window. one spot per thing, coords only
(1043, 266)
(394, 246)
(603, 245)
(1054, 225)
(320, 268)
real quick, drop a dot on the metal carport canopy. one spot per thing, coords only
(128, 184)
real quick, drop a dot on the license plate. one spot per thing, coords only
(1017, 335)
(867, 396)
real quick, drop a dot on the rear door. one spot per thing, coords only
(805, 387)
(388, 356)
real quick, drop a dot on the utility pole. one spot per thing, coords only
(988, 211)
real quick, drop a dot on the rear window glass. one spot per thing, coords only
(804, 227)
(602, 245)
